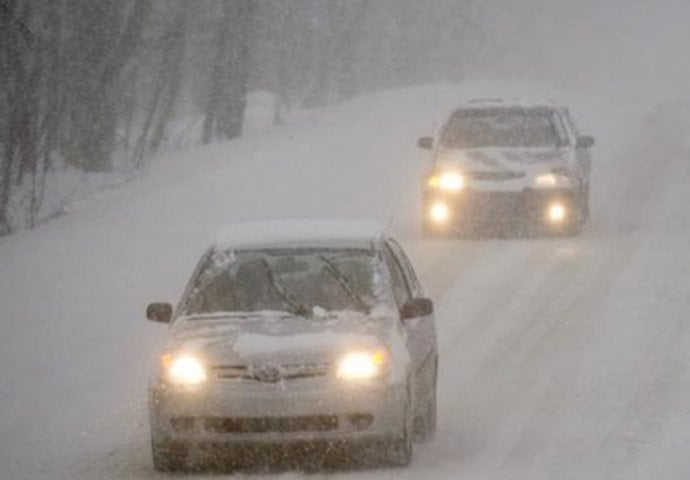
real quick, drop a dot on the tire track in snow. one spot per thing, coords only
(440, 262)
(652, 325)
(614, 259)
(533, 341)
(558, 332)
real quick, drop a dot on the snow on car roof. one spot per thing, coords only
(509, 102)
(299, 233)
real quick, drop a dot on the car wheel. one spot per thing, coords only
(169, 456)
(585, 203)
(425, 423)
(398, 452)
(575, 227)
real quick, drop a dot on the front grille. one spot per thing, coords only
(496, 176)
(494, 206)
(494, 198)
(314, 423)
(270, 373)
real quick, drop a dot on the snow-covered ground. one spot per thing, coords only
(560, 358)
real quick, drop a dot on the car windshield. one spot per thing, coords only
(527, 128)
(296, 281)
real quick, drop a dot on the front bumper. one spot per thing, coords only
(308, 410)
(490, 208)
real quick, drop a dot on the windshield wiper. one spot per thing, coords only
(297, 307)
(333, 270)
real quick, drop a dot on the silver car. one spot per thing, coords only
(296, 332)
(501, 162)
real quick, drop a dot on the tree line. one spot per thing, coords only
(83, 82)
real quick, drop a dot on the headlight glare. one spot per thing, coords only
(184, 369)
(452, 182)
(363, 365)
(546, 180)
(439, 212)
(557, 213)
(552, 180)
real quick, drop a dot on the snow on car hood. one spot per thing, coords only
(282, 338)
(503, 159)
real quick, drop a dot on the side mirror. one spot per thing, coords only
(417, 307)
(585, 141)
(425, 143)
(159, 312)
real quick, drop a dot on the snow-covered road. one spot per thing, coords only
(560, 358)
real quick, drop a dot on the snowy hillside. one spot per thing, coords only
(560, 358)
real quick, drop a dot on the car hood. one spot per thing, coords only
(281, 338)
(503, 159)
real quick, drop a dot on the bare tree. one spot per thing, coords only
(105, 38)
(83, 82)
(21, 70)
(225, 103)
(336, 78)
(170, 50)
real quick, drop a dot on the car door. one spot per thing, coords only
(420, 332)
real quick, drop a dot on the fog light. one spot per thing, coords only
(361, 421)
(439, 212)
(557, 213)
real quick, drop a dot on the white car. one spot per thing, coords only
(296, 332)
(502, 162)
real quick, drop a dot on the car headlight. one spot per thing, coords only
(363, 365)
(546, 180)
(551, 180)
(184, 369)
(447, 182)
(439, 212)
(557, 213)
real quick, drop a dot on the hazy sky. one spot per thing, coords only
(601, 43)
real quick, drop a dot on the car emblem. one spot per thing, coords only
(267, 373)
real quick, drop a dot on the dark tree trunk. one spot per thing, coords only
(336, 76)
(109, 37)
(22, 75)
(225, 104)
(171, 71)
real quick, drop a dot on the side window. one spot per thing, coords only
(398, 281)
(412, 279)
(570, 123)
(561, 128)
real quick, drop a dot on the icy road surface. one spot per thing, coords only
(560, 358)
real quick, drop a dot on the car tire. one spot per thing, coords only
(398, 452)
(169, 456)
(574, 229)
(585, 203)
(578, 224)
(425, 423)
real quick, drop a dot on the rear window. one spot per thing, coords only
(507, 128)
